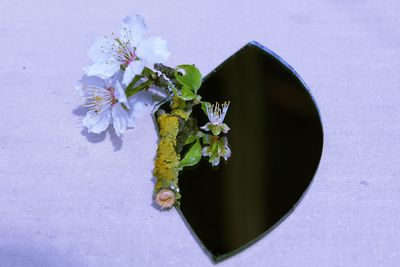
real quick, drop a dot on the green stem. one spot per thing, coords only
(131, 91)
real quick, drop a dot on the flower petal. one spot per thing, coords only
(121, 119)
(97, 122)
(205, 152)
(215, 161)
(206, 127)
(103, 69)
(225, 128)
(133, 29)
(226, 153)
(120, 94)
(101, 49)
(134, 68)
(153, 50)
(88, 81)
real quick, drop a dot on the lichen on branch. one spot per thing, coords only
(167, 159)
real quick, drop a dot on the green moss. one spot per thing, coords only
(167, 160)
(178, 103)
(181, 113)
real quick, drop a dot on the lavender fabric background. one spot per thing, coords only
(72, 199)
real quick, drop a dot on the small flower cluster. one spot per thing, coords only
(125, 65)
(116, 61)
(217, 146)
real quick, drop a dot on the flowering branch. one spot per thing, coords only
(126, 64)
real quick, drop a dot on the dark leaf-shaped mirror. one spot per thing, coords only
(276, 142)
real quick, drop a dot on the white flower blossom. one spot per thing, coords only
(216, 116)
(131, 51)
(218, 147)
(107, 104)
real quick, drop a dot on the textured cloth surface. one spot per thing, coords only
(72, 199)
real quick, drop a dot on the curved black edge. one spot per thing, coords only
(278, 59)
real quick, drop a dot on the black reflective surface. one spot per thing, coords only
(276, 142)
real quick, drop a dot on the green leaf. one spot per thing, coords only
(189, 77)
(189, 128)
(190, 139)
(204, 105)
(187, 93)
(192, 157)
